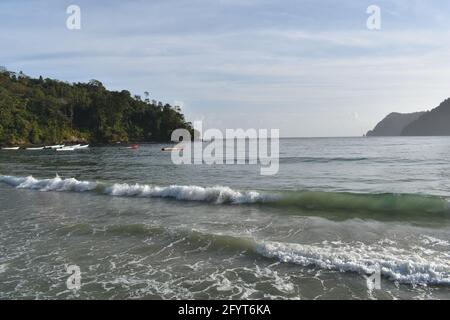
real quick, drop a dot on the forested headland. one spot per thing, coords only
(48, 111)
(435, 122)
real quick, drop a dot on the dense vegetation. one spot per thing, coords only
(46, 111)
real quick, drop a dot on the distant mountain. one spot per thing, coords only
(393, 124)
(432, 123)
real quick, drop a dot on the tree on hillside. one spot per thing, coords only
(38, 111)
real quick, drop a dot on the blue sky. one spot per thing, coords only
(307, 67)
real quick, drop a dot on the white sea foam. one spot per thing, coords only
(3, 267)
(429, 240)
(55, 184)
(403, 266)
(216, 194)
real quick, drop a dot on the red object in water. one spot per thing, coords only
(134, 146)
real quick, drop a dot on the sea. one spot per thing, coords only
(344, 218)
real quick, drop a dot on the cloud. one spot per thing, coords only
(295, 65)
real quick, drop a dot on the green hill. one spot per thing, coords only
(46, 111)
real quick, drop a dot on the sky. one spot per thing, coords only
(306, 67)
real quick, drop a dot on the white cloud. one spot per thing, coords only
(306, 81)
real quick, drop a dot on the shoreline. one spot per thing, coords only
(92, 144)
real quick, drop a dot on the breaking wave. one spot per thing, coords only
(417, 265)
(55, 184)
(400, 265)
(347, 203)
(216, 194)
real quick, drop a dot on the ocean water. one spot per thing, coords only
(140, 227)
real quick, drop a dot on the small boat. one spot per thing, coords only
(57, 146)
(37, 148)
(81, 147)
(11, 148)
(171, 149)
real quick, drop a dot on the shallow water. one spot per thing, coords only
(140, 227)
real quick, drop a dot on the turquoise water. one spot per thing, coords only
(139, 226)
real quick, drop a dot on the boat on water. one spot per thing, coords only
(57, 146)
(73, 148)
(11, 148)
(171, 149)
(35, 148)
